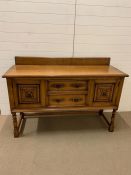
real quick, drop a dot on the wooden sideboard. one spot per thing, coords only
(63, 86)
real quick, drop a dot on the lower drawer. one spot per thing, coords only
(66, 100)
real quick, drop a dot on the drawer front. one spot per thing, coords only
(66, 100)
(67, 85)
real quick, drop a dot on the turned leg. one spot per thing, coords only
(15, 123)
(22, 115)
(111, 125)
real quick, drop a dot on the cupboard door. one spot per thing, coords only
(29, 93)
(103, 92)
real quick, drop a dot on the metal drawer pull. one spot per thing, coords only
(58, 100)
(76, 99)
(77, 85)
(57, 86)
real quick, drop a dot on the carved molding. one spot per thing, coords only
(28, 93)
(103, 92)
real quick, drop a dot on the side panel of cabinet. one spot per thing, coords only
(11, 93)
(29, 93)
(104, 92)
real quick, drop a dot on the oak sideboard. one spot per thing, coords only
(63, 86)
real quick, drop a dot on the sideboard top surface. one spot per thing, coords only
(61, 71)
(64, 67)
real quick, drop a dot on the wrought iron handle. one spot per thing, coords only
(76, 99)
(58, 100)
(76, 85)
(57, 85)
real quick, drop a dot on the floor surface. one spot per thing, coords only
(66, 146)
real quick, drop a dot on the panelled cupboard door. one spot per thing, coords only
(104, 92)
(29, 93)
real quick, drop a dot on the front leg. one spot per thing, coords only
(111, 125)
(22, 115)
(15, 124)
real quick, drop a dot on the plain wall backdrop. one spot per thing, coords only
(46, 28)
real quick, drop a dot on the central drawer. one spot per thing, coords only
(66, 100)
(67, 85)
